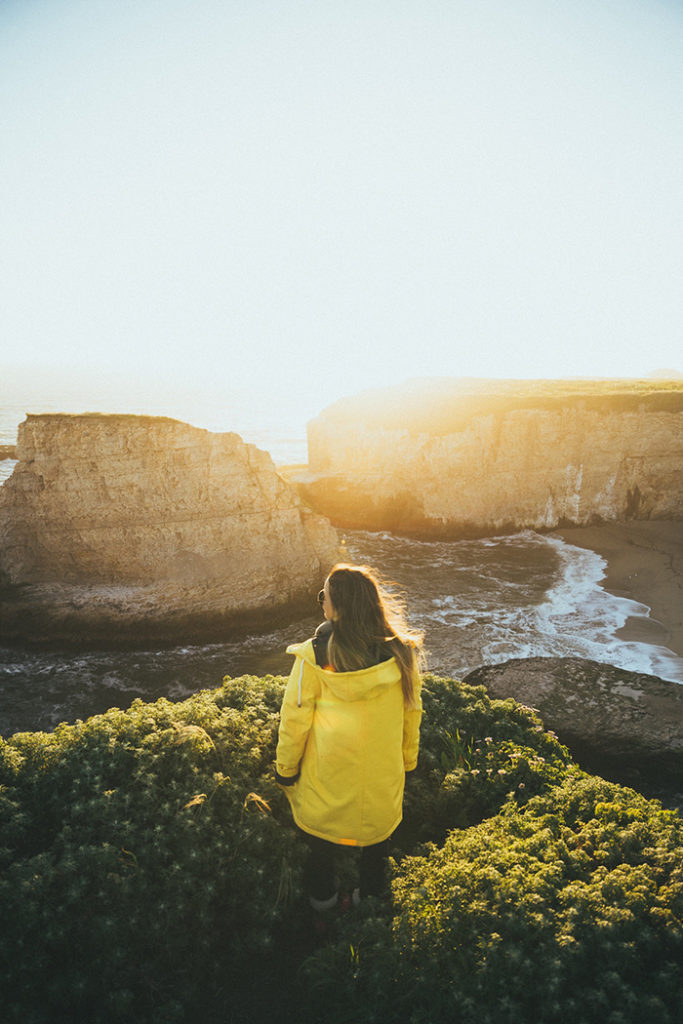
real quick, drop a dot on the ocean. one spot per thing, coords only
(478, 602)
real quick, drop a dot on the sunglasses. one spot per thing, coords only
(321, 598)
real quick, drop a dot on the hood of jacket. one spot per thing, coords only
(361, 684)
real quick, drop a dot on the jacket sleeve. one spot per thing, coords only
(296, 716)
(411, 727)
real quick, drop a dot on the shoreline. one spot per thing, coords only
(644, 564)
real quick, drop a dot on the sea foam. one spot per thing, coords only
(580, 618)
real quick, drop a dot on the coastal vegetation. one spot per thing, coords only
(149, 872)
(444, 405)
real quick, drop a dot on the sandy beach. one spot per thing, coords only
(645, 564)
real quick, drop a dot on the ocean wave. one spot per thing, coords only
(522, 596)
(479, 602)
(579, 618)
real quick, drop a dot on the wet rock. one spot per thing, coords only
(626, 726)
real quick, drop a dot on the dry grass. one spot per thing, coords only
(445, 405)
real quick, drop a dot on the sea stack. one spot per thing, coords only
(118, 529)
(470, 458)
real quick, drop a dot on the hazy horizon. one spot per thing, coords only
(271, 422)
(299, 202)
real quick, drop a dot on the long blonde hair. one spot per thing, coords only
(368, 619)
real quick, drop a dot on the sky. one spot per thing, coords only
(297, 197)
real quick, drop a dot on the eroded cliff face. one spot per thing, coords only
(115, 526)
(573, 460)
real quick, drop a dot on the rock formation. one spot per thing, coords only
(627, 726)
(465, 459)
(134, 528)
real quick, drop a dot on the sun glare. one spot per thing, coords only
(301, 203)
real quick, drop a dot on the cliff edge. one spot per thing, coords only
(626, 726)
(117, 529)
(461, 458)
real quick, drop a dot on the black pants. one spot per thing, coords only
(320, 879)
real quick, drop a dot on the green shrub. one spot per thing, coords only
(570, 908)
(144, 858)
(475, 753)
(149, 872)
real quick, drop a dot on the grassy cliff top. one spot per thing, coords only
(107, 418)
(444, 405)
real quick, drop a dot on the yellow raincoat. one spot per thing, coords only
(352, 739)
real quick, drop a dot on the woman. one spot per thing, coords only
(349, 729)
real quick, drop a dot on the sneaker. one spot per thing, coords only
(322, 905)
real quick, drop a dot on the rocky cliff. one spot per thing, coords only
(129, 528)
(624, 725)
(471, 458)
